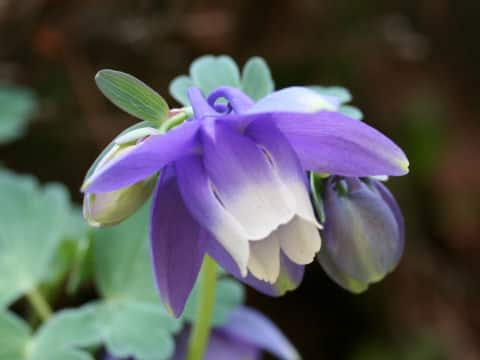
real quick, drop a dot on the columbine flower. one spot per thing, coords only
(364, 232)
(245, 336)
(233, 185)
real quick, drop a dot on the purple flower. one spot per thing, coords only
(245, 335)
(232, 184)
(364, 232)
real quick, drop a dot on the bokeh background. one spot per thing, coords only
(413, 67)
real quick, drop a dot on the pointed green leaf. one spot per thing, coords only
(178, 89)
(209, 72)
(17, 105)
(132, 95)
(257, 80)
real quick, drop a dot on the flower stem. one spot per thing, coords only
(39, 303)
(176, 119)
(206, 301)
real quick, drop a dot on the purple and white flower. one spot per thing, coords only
(233, 184)
(246, 335)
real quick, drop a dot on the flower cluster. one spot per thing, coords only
(231, 182)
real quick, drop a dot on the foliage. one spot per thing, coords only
(209, 72)
(17, 105)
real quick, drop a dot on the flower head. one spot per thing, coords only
(233, 184)
(245, 335)
(364, 232)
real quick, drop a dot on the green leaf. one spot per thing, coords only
(136, 328)
(257, 80)
(209, 72)
(340, 92)
(351, 111)
(178, 89)
(67, 329)
(132, 96)
(133, 321)
(59, 338)
(71, 256)
(79, 236)
(14, 336)
(122, 260)
(32, 225)
(17, 105)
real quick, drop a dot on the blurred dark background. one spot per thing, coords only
(413, 67)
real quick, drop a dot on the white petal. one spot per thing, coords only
(262, 208)
(245, 181)
(285, 165)
(299, 240)
(264, 261)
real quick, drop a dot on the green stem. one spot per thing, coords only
(206, 301)
(39, 303)
(176, 120)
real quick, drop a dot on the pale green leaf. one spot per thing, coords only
(138, 328)
(17, 105)
(122, 260)
(61, 337)
(257, 80)
(178, 89)
(132, 95)
(71, 257)
(14, 336)
(209, 72)
(32, 225)
(67, 329)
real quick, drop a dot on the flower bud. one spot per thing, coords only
(363, 237)
(110, 208)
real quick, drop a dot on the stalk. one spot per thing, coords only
(39, 303)
(206, 301)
